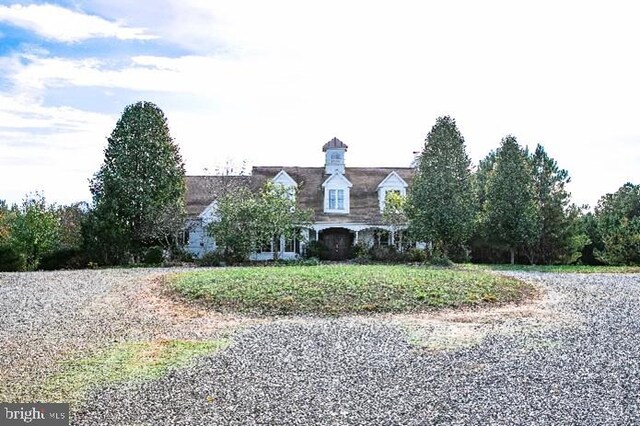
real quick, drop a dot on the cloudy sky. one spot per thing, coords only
(269, 82)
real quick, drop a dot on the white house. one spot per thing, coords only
(347, 202)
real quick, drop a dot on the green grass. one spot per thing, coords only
(577, 269)
(344, 289)
(123, 362)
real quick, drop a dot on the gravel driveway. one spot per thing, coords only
(46, 317)
(575, 362)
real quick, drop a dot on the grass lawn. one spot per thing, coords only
(123, 362)
(344, 289)
(578, 269)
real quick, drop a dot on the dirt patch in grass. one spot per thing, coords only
(452, 329)
(182, 319)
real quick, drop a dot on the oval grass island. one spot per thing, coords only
(345, 289)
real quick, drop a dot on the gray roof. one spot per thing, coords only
(203, 190)
(364, 206)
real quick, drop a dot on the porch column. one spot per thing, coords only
(305, 237)
(355, 240)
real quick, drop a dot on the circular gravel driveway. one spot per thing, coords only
(368, 372)
(577, 361)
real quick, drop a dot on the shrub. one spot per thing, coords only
(181, 255)
(211, 258)
(439, 259)
(280, 262)
(416, 255)
(65, 258)
(316, 249)
(360, 250)
(153, 256)
(11, 260)
(311, 261)
(385, 254)
(459, 253)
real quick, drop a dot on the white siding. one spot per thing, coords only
(199, 242)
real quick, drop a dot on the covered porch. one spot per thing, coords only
(340, 238)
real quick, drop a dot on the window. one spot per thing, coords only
(265, 247)
(336, 194)
(392, 183)
(384, 193)
(391, 191)
(336, 199)
(381, 237)
(292, 245)
(335, 158)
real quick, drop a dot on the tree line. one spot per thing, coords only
(512, 207)
(137, 212)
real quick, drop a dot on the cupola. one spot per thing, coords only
(334, 156)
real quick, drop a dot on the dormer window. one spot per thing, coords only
(336, 199)
(336, 194)
(393, 183)
(283, 179)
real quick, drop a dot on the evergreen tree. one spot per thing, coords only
(440, 204)
(552, 199)
(139, 188)
(480, 179)
(482, 248)
(618, 221)
(509, 210)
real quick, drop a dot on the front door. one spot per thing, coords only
(338, 243)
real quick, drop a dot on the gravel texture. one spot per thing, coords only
(365, 371)
(581, 367)
(46, 317)
(46, 314)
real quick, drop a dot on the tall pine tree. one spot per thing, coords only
(440, 204)
(138, 193)
(509, 212)
(552, 199)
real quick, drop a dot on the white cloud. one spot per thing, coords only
(23, 113)
(57, 23)
(51, 149)
(376, 75)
